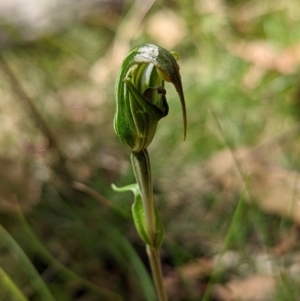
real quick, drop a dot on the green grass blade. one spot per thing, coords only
(65, 272)
(7, 241)
(11, 289)
(135, 261)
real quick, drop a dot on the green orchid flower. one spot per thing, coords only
(141, 96)
(141, 103)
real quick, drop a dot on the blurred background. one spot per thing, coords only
(228, 195)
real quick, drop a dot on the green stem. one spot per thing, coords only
(142, 171)
(155, 264)
(141, 168)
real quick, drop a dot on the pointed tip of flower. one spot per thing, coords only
(179, 90)
(184, 119)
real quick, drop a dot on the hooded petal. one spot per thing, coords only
(140, 94)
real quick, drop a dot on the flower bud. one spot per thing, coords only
(140, 94)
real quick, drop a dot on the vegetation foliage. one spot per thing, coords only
(228, 196)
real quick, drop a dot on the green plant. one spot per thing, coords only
(141, 103)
